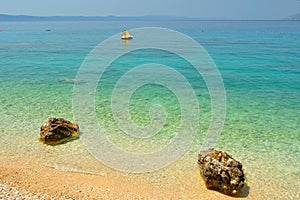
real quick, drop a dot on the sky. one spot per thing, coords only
(205, 9)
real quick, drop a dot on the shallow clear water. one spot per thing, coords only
(259, 62)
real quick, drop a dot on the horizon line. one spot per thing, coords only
(158, 17)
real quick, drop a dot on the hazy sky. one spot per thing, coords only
(228, 9)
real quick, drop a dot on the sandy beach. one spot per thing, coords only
(28, 180)
(23, 180)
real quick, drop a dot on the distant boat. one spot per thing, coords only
(126, 35)
(48, 30)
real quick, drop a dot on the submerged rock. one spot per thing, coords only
(70, 80)
(57, 130)
(221, 172)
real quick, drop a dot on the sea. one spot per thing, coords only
(253, 102)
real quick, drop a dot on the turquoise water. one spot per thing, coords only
(259, 62)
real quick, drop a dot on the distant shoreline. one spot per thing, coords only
(20, 18)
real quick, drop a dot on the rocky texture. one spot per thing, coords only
(221, 172)
(57, 130)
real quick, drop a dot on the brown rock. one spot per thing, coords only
(221, 172)
(57, 130)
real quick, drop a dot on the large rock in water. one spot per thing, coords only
(221, 172)
(57, 130)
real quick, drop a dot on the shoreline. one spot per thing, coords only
(27, 179)
(41, 181)
(23, 179)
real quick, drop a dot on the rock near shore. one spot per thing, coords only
(221, 172)
(57, 130)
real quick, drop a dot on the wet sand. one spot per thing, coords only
(26, 180)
